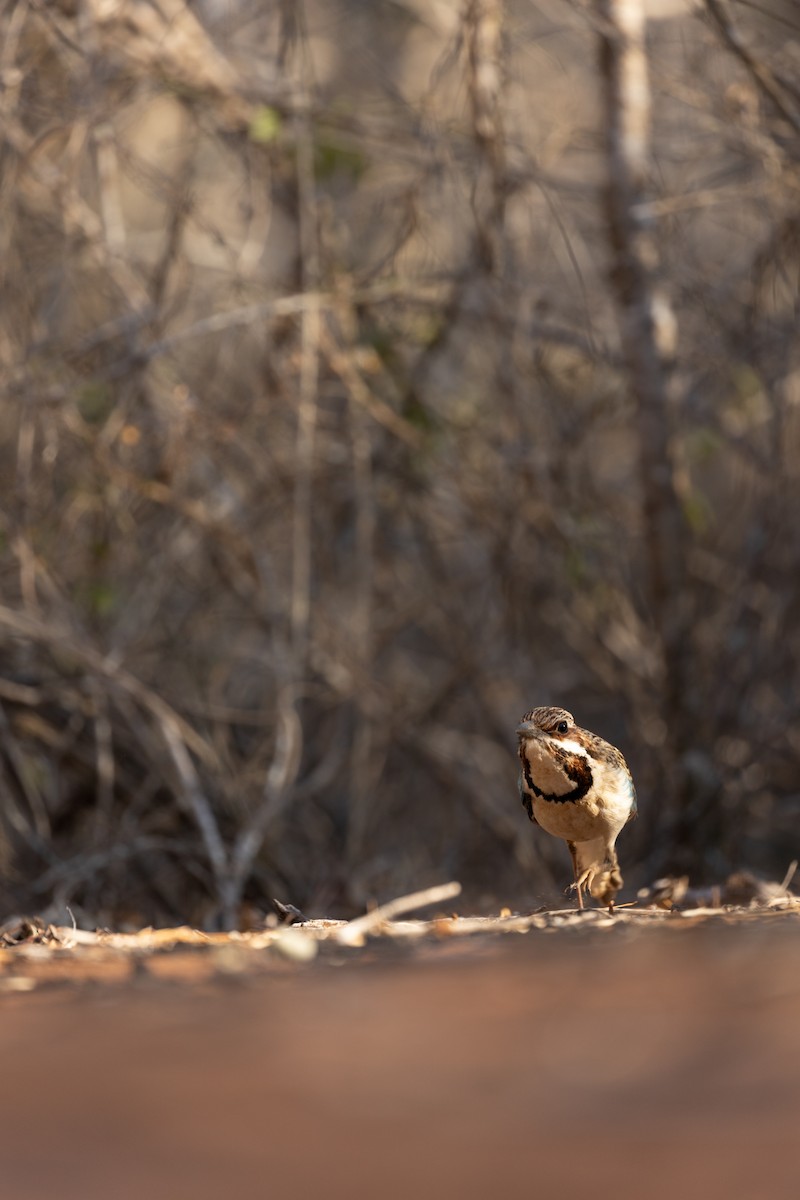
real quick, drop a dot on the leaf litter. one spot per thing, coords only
(34, 953)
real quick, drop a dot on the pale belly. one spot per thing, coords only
(573, 821)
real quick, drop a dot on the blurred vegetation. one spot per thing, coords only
(321, 460)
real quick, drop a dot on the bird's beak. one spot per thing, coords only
(528, 729)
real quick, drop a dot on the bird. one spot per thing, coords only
(577, 786)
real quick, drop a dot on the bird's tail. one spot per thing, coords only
(608, 878)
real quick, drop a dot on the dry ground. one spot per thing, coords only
(645, 1055)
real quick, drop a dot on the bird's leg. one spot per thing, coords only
(585, 880)
(614, 875)
(609, 867)
(577, 885)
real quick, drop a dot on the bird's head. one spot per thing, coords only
(555, 762)
(547, 724)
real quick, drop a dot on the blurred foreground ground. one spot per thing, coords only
(624, 1062)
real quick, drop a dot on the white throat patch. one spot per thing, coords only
(573, 747)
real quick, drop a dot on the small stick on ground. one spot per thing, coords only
(789, 876)
(354, 932)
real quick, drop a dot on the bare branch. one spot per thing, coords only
(764, 78)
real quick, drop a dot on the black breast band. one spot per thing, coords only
(575, 767)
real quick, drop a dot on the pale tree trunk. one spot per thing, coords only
(648, 333)
(484, 38)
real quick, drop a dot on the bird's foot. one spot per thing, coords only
(578, 888)
(583, 884)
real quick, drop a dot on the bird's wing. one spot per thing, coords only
(634, 804)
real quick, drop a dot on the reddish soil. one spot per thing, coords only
(645, 1065)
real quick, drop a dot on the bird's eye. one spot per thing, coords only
(562, 727)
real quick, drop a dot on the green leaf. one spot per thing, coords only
(98, 598)
(703, 444)
(94, 401)
(698, 512)
(265, 125)
(333, 158)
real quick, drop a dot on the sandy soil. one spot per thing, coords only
(633, 1064)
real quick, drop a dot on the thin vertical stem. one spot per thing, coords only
(648, 332)
(310, 324)
(362, 774)
(483, 29)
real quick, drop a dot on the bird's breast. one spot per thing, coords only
(554, 772)
(577, 822)
(572, 794)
